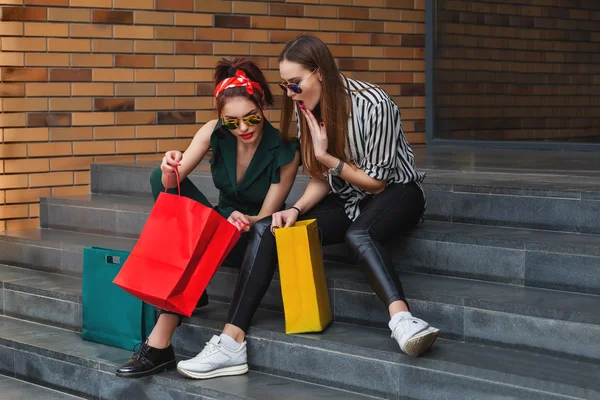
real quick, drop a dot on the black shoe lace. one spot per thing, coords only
(141, 350)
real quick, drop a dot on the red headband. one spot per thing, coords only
(239, 80)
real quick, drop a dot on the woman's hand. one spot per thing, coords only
(170, 161)
(317, 133)
(284, 219)
(240, 221)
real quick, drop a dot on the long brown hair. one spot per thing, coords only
(310, 52)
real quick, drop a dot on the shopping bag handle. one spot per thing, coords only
(178, 184)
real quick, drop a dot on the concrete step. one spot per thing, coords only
(555, 260)
(535, 319)
(549, 200)
(359, 359)
(60, 359)
(16, 389)
(367, 360)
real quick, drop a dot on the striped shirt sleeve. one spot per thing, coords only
(382, 132)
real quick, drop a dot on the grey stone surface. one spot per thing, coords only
(14, 389)
(470, 261)
(263, 386)
(44, 284)
(47, 371)
(9, 274)
(7, 360)
(25, 332)
(24, 255)
(114, 388)
(539, 334)
(45, 310)
(84, 219)
(480, 172)
(72, 263)
(531, 212)
(501, 371)
(423, 384)
(134, 180)
(366, 309)
(40, 249)
(130, 224)
(63, 360)
(367, 376)
(439, 203)
(480, 159)
(563, 271)
(115, 179)
(590, 216)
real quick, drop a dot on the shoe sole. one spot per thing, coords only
(156, 370)
(420, 343)
(227, 371)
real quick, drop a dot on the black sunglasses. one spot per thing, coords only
(294, 87)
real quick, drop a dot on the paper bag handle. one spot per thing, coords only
(178, 184)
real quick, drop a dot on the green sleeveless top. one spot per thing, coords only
(248, 196)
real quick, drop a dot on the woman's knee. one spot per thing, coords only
(357, 238)
(262, 226)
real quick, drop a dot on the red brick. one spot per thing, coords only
(23, 14)
(24, 74)
(134, 61)
(174, 5)
(70, 75)
(112, 17)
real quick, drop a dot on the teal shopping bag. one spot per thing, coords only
(110, 315)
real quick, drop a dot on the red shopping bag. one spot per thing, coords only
(180, 248)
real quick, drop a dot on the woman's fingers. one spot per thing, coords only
(313, 121)
(166, 168)
(276, 222)
(244, 219)
(289, 222)
(309, 121)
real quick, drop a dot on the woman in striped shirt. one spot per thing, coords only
(364, 186)
(364, 189)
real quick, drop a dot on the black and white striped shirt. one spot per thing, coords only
(376, 144)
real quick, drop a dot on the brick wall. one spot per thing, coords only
(86, 81)
(518, 70)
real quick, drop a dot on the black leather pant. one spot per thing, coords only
(398, 208)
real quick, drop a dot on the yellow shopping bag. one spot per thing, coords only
(303, 285)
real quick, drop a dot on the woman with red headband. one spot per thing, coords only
(253, 166)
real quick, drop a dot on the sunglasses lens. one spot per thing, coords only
(229, 124)
(292, 86)
(295, 88)
(253, 120)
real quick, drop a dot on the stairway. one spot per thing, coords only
(507, 265)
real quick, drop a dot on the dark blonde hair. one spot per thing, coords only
(310, 52)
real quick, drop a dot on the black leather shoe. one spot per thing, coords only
(203, 300)
(148, 361)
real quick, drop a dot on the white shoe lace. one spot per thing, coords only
(208, 350)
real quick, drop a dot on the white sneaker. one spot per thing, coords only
(414, 335)
(215, 360)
